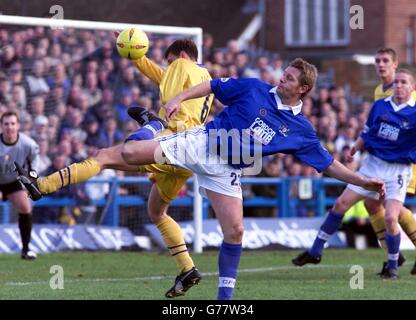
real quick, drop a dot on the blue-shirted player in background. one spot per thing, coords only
(259, 118)
(389, 138)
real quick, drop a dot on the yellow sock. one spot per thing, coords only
(379, 227)
(408, 223)
(75, 173)
(174, 240)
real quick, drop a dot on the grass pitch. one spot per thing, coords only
(263, 275)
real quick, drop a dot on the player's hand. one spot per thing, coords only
(172, 108)
(375, 185)
(350, 156)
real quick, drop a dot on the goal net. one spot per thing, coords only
(72, 90)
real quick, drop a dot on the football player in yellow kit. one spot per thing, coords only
(182, 73)
(386, 65)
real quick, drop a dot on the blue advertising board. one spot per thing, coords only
(259, 233)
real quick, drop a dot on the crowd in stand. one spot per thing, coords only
(72, 92)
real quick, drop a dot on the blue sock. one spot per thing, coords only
(228, 261)
(328, 228)
(393, 247)
(147, 132)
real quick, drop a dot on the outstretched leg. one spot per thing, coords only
(109, 158)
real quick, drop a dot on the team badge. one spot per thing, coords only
(284, 130)
(405, 125)
(263, 112)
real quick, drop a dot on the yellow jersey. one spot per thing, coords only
(383, 92)
(181, 74)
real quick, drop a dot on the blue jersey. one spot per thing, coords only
(256, 114)
(390, 131)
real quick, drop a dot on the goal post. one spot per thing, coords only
(195, 33)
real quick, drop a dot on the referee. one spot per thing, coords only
(17, 147)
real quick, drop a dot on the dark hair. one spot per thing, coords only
(185, 45)
(389, 51)
(9, 114)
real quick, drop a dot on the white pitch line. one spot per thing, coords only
(206, 274)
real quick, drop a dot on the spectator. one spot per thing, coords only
(110, 135)
(262, 64)
(38, 106)
(60, 78)
(40, 127)
(5, 90)
(18, 96)
(93, 135)
(44, 160)
(79, 151)
(105, 108)
(8, 57)
(277, 68)
(36, 82)
(121, 108)
(92, 92)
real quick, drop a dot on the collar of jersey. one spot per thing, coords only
(410, 103)
(387, 86)
(280, 106)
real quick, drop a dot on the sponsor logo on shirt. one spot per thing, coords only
(224, 79)
(261, 131)
(388, 132)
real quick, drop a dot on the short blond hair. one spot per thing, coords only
(408, 72)
(308, 73)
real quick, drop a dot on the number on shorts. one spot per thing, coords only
(205, 109)
(400, 180)
(236, 179)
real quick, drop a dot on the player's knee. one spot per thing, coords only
(24, 208)
(234, 234)
(341, 205)
(373, 207)
(391, 222)
(128, 153)
(155, 215)
(103, 158)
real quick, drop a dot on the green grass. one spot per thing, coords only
(263, 275)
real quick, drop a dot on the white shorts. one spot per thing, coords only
(189, 150)
(396, 177)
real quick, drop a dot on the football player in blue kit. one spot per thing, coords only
(259, 119)
(389, 138)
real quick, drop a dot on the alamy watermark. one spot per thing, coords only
(199, 146)
(357, 280)
(57, 280)
(57, 12)
(357, 18)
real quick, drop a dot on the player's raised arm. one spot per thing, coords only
(198, 91)
(338, 171)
